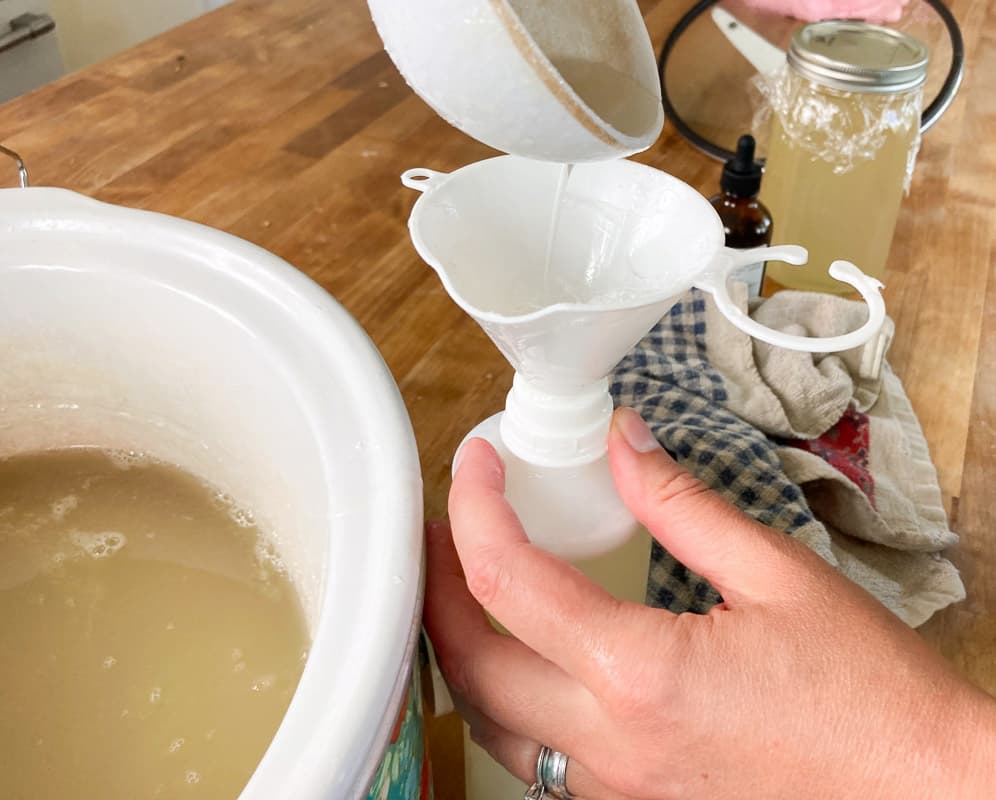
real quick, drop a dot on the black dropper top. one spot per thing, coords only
(742, 174)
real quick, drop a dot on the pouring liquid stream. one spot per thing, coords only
(551, 287)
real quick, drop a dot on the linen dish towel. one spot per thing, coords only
(823, 447)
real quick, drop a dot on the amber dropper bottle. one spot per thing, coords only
(746, 221)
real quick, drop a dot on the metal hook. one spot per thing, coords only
(22, 171)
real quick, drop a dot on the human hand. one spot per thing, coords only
(811, 10)
(799, 685)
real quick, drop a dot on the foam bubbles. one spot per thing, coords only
(239, 514)
(126, 459)
(263, 683)
(192, 776)
(176, 744)
(103, 544)
(108, 662)
(243, 517)
(156, 695)
(268, 557)
(63, 506)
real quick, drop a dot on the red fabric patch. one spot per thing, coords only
(845, 448)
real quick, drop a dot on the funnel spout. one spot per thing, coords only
(557, 429)
(568, 349)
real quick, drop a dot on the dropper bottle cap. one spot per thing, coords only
(742, 174)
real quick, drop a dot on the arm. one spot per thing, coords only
(798, 685)
(810, 10)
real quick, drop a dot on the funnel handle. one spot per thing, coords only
(421, 179)
(715, 283)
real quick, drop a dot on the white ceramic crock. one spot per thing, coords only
(128, 329)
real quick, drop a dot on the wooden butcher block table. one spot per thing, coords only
(284, 122)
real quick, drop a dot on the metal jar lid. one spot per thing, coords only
(858, 57)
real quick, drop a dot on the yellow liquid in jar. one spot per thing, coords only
(849, 216)
(152, 641)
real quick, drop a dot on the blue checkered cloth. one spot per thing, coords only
(667, 377)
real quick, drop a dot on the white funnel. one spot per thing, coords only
(629, 240)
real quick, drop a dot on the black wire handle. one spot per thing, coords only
(931, 114)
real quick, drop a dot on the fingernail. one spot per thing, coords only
(635, 431)
(457, 458)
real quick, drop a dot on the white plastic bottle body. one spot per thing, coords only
(623, 573)
(575, 512)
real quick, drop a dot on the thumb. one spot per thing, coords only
(697, 526)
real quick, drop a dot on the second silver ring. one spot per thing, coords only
(551, 772)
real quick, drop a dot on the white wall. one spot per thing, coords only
(90, 30)
(29, 64)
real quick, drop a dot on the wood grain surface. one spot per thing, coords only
(282, 121)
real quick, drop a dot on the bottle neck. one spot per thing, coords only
(739, 198)
(557, 429)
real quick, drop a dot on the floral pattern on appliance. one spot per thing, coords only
(405, 773)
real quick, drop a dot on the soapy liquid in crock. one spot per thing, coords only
(152, 641)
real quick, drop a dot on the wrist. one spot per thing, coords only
(970, 762)
(947, 748)
(953, 749)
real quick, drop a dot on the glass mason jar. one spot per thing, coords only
(845, 131)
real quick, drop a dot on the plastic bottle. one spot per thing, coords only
(570, 509)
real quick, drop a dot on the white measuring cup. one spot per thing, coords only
(554, 80)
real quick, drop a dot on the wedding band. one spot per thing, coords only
(551, 773)
(538, 790)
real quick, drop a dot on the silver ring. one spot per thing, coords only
(551, 773)
(538, 790)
